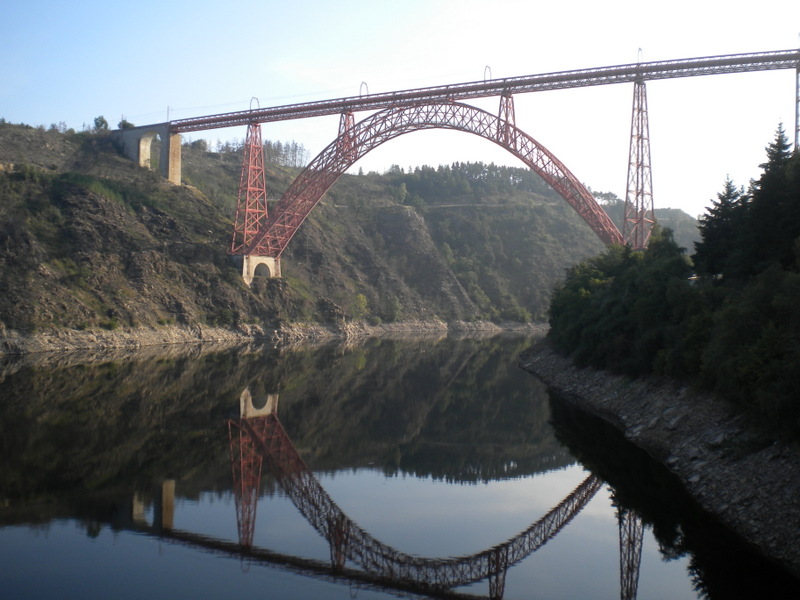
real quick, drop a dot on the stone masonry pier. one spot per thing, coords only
(136, 144)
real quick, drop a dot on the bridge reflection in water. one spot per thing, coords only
(258, 440)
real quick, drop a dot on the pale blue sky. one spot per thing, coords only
(73, 61)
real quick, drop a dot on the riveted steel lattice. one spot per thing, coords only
(346, 141)
(251, 208)
(308, 188)
(351, 542)
(246, 463)
(507, 120)
(628, 73)
(639, 217)
(505, 87)
(631, 534)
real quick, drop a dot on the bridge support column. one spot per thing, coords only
(498, 567)
(248, 410)
(630, 552)
(797, 110)
(346, 141)
(639, 219)
(138, 510)
(246, 462)
(136, 144)
(170, 163)
(251, 207)
(260, 266)
(165, 506)
(338, 538)
(507, 122)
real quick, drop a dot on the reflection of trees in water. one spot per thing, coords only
(721, 564)
(427, 407)
(449, 409)
(445, 408)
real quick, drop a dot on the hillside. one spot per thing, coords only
(683, 226)
(88, 240)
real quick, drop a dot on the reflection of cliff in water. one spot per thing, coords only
(722, 565)
(457, 410)
(431, 408)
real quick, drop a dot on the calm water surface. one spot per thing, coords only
(377, 470)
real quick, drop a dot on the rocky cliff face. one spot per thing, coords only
(89, 241)
(76, 255)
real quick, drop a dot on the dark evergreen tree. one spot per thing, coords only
(778, 154)
(721, 230)
(737, 334)
(775, 210)
(744, 233)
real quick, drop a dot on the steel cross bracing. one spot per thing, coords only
(307, 189)
(628, 73)
(251, 208)
(246, 464)
(631, 534)
(639, 213)
(349, 541)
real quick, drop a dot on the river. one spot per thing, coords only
(385, 468)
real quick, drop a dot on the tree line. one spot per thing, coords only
(284, 154)
(466, 180)
(725, 319)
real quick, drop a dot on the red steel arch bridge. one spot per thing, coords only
(260, 236)
(259, 442)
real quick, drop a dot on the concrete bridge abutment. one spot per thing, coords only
(248, 409)
(260, 266)
(136, 143)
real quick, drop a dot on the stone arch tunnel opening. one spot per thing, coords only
(262, 271)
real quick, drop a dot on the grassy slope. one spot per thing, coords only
(87, 239)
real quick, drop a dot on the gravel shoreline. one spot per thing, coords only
(60, 340)
(750, 483)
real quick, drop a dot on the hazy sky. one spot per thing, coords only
(72, 61)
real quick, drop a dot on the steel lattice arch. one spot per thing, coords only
(267, 437)
(409, 110)
(356, 141)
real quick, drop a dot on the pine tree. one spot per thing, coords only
(775, 210)
(721, 230)
(778, 153)
(744, 233)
